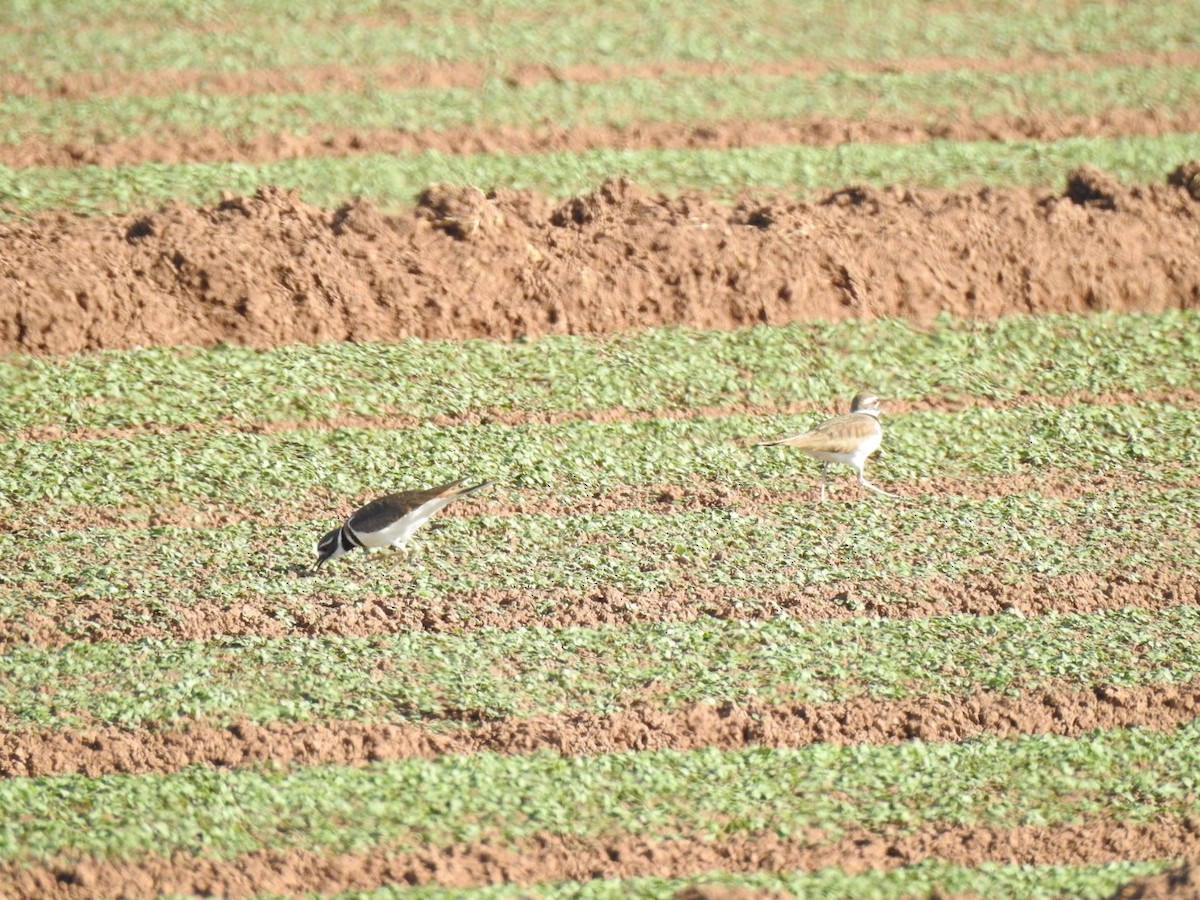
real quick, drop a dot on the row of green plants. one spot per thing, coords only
(1014, 537)
(623, 101)
(216, 38)
(244, 470)
(445, 680)
(668, 369)
(393, 181)
(1123, 774)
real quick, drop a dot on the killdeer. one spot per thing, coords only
(847, 439)
(390, 520)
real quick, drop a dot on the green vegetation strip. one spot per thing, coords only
(394, 181)
(503, 34)
(662, 369)
(676, 97)
(31, 14)
(928, 878)
(151, 576)
(431, 678)
(1120, 774)
(246, 470)
(159, 572)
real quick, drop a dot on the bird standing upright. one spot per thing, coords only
(390, 520)
(847, 439)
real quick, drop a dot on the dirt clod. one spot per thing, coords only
(1180, 882)
(463, 212)
(1089, 186)
(1187, 176)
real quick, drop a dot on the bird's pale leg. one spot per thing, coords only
(824, 478)
(870, 487)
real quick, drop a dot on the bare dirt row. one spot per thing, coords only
(271, 269)
(116, 83)
(210, 146)
(1065, 709)
(551, 857)
(800, 487)
(56, 623)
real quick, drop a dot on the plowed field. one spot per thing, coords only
(260, 263)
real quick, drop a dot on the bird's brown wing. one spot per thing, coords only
(841, 434)
(382, 512)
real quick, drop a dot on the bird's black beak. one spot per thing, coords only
(320, 562)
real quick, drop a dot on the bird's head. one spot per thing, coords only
(866, 403)
(329, 547)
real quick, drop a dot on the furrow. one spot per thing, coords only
(1182, 397)
(552, 857)
(114, 83)
(1065, 709)
(665, 498)
(55, 624)
(177, 146)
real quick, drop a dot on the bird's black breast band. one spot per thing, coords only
(349, 541)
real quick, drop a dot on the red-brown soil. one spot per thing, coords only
(551, 857)
(461, 74)
(215, 146)
(691, 496)
(165, 145)
(1181, 883)
(1063, 709)
(273, 269)
(55, 623)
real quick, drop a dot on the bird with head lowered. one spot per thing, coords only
(390, 520)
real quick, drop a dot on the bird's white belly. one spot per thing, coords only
(855, 458)
(827, 456)
(398, 533)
